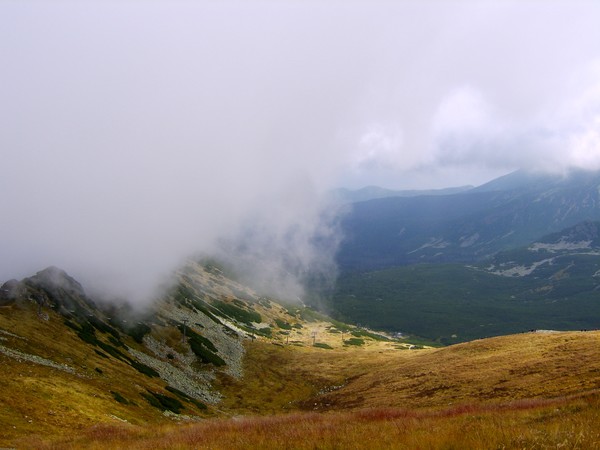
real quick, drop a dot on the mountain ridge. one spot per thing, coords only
(91, 362)
(469, 226)
(375, 192)
(102, 381)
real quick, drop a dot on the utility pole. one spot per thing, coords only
(185, 321)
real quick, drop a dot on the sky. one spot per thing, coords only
(135, 133)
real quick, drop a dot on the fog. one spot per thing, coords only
(138, 134)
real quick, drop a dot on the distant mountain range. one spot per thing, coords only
(518, 253)
(468, 226)
(373, 192)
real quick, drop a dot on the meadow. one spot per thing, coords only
(569, 423)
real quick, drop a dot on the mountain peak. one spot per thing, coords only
(53, 278)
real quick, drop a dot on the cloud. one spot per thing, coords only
(467, 129)
(277, 254)
(479, 89)
(135, 134)
(462, 125)
(379, 146)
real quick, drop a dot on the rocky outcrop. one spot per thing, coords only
(10, 292)
(53, 287)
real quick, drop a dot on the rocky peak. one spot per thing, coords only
(53, 278)
(54, 287)
(9, 292)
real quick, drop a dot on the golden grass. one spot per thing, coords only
(522, 391)
(279, 378)
(41, 400)
(493, 370)
(560, 423)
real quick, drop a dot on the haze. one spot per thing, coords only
(136, 134)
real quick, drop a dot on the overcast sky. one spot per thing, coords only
(134, 132)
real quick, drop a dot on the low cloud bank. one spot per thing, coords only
(135, 134)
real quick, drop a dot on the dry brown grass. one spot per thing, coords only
(522, 391)
(560, 423)
(45, 401)
(280, 378)
(492, 370)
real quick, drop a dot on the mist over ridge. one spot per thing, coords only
(137, 135)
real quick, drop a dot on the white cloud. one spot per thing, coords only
(379, 146)
(136, 133)
(562, 134)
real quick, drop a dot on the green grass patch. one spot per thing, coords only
(265, 331)
(186, 397)
(265, 302)
(310, 315)
(322, 345)
(374, 336)
(118, 397)
(103, 327)
(163, 402)
(138, 331)
(101, 354)
(354, 341)
(283, 324)
(239, 314)
(143, 368)
(202, 347)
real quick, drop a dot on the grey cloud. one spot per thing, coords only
(135, 134)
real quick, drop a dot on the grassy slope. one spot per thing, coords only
(43, 400)
(527, 425)
(502, 369)
(527, 389)
(522, 391)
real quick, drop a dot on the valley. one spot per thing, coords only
(308, 382)
(474, 342)
(519, 253)
(300, 225)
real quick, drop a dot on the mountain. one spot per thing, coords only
(466, 227)
(552, 283)
(372, 192)
(557, 250)
(211, 364)
(70, 360)
(77, 371)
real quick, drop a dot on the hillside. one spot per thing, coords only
(509, 212)
(374, 192)
(535, 389)
(69, 361)
(532, 365)
(551, 283)
(79, 374)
